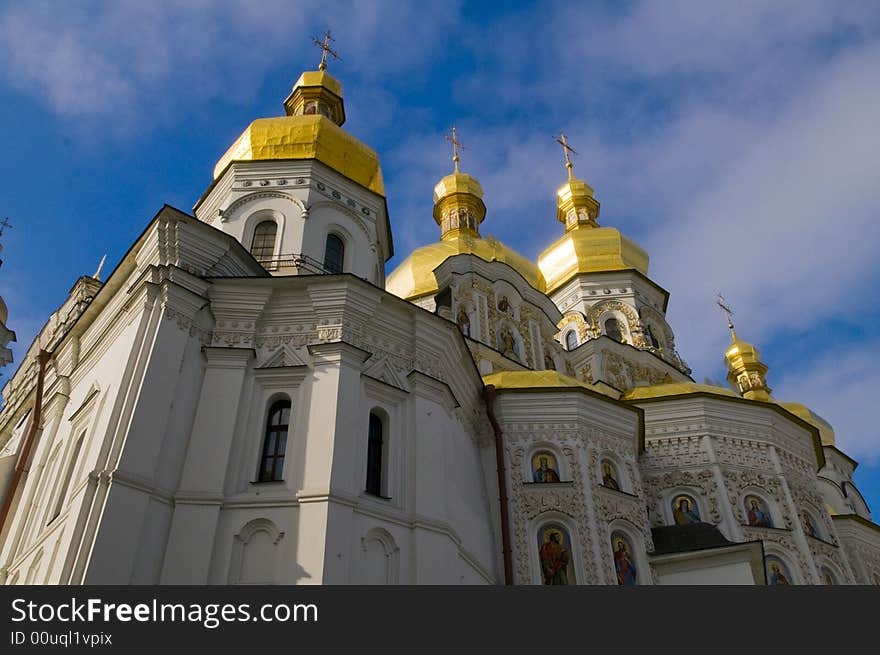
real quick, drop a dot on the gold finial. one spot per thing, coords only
(728, 312)
(566, 149)
(97, 274)
(5, 224)
(456, 146)
(325, 50)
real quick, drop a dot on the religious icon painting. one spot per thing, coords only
(609, 475)
(827, 576)
(810, 526)
(624, 560)
(685, 510)
(777, 571)
(757, 513)
(554, 553)
(545, 468)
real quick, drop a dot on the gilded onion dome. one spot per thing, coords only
(310, 130)
(458, 211)
(585, 247)
(745, 370)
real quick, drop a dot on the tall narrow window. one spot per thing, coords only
(571, 340)
(612, 329)
(334, 254)
(375, 446)
(263, 245)
(68, 476)
(275, 441)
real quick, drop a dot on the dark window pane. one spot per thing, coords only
(275, 441)
(374, 456)
(263, 245)
(334, 254)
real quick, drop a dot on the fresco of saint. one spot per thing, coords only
(554, 551)
(777, 572)
(544, 468)
(685, 510)
(609, 479)
(757, 513)
(624, 562)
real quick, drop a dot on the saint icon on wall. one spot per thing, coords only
(777, 571)
(757, 513)
(464, 322)
(544, 468)
(685, 510)
(827, 576)
(624, 562)
(609, 476)
(504, 305)
(809, 526)
(507, 343)
(554, 551)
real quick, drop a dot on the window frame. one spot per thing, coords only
(336, 238)
(278, 449)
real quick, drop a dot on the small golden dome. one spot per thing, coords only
(414, 277)
(457, 183)
(741, 352)
(575, 205)
(310, 130)
(590, 250)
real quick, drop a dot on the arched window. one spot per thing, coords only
(375, 448)
(334, 254)
(612, 329)
(275, 441)
(263, 245)
(571, 340)
(68, 476)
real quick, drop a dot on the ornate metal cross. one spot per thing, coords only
(5, 224)
(726, 309)
(568, 150)
(325, 50)
(456, 146)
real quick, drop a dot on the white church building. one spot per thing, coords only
(249, 399)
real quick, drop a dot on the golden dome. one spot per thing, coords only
(590, 250)
(414, 277)
(311, 130)
(826, 432)
(741, 352)
(457, 182)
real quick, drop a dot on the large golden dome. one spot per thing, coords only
(414, 277)
(311, 130)
(590, 250)
(826, 432)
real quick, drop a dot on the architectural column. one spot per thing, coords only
(200, 496)
(796, 528)
(736, 531)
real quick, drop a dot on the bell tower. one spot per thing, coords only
(299, 192)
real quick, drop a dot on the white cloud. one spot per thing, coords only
(842, 387)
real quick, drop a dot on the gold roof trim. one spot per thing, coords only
(590, 250)
(826, 432)
(306, 137)
(533, 380)
(675, 389)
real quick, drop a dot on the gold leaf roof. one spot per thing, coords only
(414, 276)
(310, 136)
(590, 250)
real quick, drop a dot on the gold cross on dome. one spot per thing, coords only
(726, 309)
(456, 146)
(325, 50)
(568, 150)
(5, 224)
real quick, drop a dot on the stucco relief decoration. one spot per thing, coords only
(529, 501)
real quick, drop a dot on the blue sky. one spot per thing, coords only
(736, 142)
